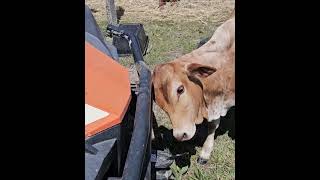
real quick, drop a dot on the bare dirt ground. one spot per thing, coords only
(183, 10)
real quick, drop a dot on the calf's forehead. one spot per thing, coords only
(169, 76)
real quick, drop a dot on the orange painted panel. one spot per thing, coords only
(107, 87)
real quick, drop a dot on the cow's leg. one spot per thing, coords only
(208, 144)
(161, 3)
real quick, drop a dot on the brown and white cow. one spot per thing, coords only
(199, 85)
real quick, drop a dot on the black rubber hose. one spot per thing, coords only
(140, 141)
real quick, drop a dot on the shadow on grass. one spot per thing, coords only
(165, 140)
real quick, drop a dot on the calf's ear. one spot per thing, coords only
(199, 70)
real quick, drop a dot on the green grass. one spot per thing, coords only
(222, 162)
(169, 40)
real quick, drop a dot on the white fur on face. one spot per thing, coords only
(184, 112)
(190, 131)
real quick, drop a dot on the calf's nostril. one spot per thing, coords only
(184, 136)
(180, 136)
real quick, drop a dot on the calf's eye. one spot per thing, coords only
(180, 90)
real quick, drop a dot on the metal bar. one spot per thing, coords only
(111, 12)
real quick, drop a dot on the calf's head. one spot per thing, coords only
(178, 90)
